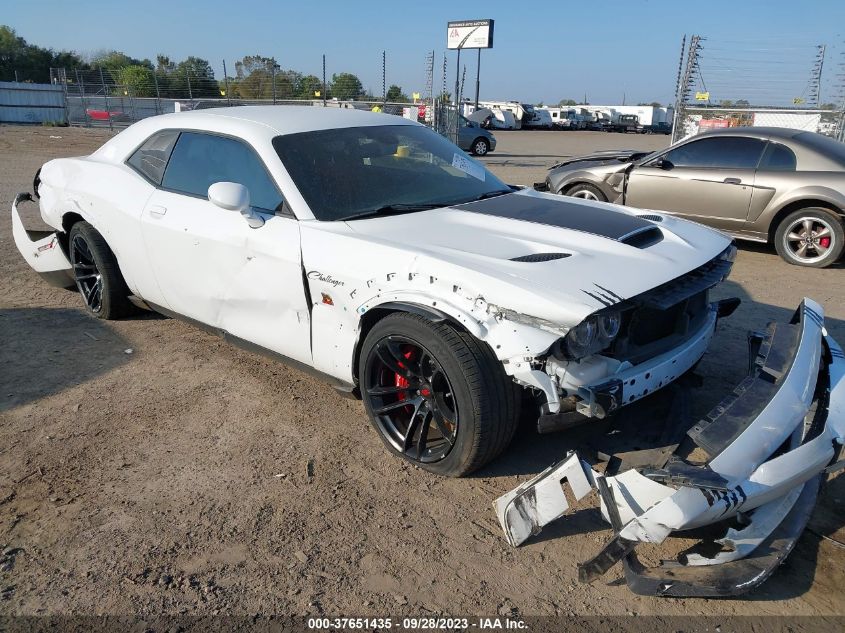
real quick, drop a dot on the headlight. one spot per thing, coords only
(580, 339)
(592, 335)
(609, 325)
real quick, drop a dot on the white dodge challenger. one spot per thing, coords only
(373, 251)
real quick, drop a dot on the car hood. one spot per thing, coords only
(604, 157)
(539, 254)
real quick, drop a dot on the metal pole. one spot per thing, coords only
(158, 93)
(190, 93)
(273, 75)
(383, 77)
(226, 83)
(477, 78)
(16, 76)
(324, 80)
(457, 76)
(81, 83)
(106, 95)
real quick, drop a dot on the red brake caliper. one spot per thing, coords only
(401, 381)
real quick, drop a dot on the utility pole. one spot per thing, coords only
(383, 77)
(273, 75)
(477, 78)
(324, 80)
(225, 83)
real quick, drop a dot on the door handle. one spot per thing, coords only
(732, 181)
(157, 211)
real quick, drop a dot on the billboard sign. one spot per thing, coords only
(470, 34)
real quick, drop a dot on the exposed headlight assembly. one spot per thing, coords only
(592, 335)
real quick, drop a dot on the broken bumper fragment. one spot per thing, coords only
(41, 249)
(751, 468)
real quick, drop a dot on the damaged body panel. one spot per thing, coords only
(766, 446)
(297, 231)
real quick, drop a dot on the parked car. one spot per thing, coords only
(627, 123)
(772, 185)
(473, 138)
(374, 252)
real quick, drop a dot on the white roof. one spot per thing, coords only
(287, 119)
(255, 124)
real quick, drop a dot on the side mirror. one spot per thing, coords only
(664, 164)
(233, 196)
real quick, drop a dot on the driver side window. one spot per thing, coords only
(723, 152)
(199, 160)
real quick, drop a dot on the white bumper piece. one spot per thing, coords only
(767, 444)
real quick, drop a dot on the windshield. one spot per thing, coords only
(363, 171)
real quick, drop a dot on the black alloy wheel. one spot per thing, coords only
(412, 399)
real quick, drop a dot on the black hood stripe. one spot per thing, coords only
(562, 213)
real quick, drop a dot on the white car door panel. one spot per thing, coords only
(211, 266)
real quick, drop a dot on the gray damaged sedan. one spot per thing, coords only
(774, 185)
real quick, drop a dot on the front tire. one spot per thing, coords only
(437, 396)
(812, 237)
(97, 273)
(587, 192)
(480, 147)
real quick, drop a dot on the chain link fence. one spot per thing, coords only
(691, 120)
(115, 99)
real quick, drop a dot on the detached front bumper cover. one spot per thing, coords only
(768, 445)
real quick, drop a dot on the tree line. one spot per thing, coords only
(254, 77)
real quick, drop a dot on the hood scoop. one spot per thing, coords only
(643, 238)
(539, 257)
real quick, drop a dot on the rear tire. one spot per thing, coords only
(586, 192)
(446, 375)
(97, 274)
(812, 237)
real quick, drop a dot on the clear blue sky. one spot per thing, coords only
(544, 51)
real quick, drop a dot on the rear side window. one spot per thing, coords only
(151, 158)
(723, 152)
(778, 158)
(200, 160)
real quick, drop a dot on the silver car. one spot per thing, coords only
(773, 185)
(473, 138)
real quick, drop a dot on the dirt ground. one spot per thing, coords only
(147, 467)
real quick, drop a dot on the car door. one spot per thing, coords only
(210, 265)
(709, 180)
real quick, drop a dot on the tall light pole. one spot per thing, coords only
(275, 68)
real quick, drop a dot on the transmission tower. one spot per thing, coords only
(687, 80)
(816, 77)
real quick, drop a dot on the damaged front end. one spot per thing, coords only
(41, 249)
(751, 470)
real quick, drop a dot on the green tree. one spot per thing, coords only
(567, 102)
(395, 94)
(136, 80)
(200, 74)
(308, 86)
(30, 62)
(346, 86)
(115, 60)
